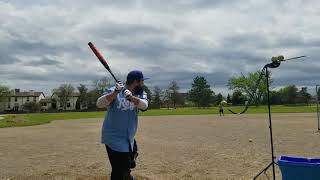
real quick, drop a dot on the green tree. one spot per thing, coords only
(289, 94)
(229, 99)
(200, 92)
(165, 98)
(247, 85)
(64, 92)
(238, 98)
(218, 98)
(99, 86)
(4, 93)
(303, 96)
(148, 92)
(83, 97)
(173, 93)
(156, 99)
(275, 98)
(181, 100)
(93, 95)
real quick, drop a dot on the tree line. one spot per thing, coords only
(245, 87)
(200, 94)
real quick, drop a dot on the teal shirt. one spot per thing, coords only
(120, 123)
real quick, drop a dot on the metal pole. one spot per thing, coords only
(318, 116)
(270, 124)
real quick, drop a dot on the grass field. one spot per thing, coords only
(43, 118)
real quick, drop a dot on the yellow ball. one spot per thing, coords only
(274, 59)
(280, 58)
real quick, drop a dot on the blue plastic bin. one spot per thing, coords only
(299, 168)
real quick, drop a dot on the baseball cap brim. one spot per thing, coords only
(144, 79)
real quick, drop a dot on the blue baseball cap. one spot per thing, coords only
(135, 75)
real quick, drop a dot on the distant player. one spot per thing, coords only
(120, 124)
(221, 110)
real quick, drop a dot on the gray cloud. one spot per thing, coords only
(67, 77)
(188, 5)
(44, 61)
(5, 59)
(46, 41)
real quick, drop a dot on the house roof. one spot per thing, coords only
(27, 94)
(46, 100)
(75, 94)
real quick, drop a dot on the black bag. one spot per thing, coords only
(133, 154)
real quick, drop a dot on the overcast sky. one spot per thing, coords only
(43, 43)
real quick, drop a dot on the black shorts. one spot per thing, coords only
(221, 110)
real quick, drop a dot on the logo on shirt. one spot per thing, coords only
(124, 104)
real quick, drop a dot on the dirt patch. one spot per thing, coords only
(66, 178)
(171, 147)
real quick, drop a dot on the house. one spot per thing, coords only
(54, 103)
(46, 104)
(184, 95)
(71, 102)
(314, 99)
(16, 101)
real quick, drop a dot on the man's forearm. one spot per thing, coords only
(105, 100)
(110, 97)
(140, 103)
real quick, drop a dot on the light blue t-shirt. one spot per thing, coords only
(120, 123)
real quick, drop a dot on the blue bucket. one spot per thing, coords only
(299, 168)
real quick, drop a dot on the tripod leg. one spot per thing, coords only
(264, 170)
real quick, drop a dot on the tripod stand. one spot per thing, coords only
(276, 61)
(270, 126)
(274, 64)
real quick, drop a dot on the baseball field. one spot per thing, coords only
(203, 146)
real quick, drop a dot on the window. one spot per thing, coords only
(16, 107)
(27, 98)
(15, 99)
(34, 99)
(9, 106)
(68, 105)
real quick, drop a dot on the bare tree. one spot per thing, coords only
(156, 98)
(173, 93)
(64, 92)
(4, 93)
(83, 97)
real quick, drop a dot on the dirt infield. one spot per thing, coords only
(171, 147)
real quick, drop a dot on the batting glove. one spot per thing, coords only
(128, 94)
(119, 86)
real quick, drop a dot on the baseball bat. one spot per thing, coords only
(101, 59)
